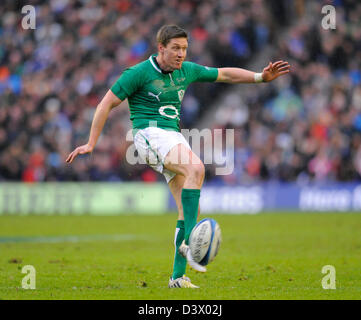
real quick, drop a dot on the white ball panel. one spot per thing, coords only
(200, 240)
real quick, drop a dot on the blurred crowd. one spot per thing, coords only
(53, 77)
(306, 125)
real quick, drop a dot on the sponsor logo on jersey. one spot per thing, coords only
(172, 116)
(155, 95)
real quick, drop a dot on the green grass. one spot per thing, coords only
(265, 256)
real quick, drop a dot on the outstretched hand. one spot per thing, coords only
(274, 70)
(86, 148)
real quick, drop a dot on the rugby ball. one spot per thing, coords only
(204, 241)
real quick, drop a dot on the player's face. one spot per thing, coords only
(174, 53)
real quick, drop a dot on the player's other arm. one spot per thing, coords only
(109, 101)
(238, 75)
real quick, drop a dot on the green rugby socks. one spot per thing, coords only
(190, 203)
(180, 263)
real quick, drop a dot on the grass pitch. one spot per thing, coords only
(264, 256)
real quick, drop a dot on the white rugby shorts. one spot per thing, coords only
(153, 145)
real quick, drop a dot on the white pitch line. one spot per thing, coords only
(74, 238)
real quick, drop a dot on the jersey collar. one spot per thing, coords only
(155, 64)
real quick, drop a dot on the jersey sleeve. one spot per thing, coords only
(199, 73)
(128, 83)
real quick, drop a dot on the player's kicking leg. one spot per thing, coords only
(185, 187)
(178, 280)
(184, 178)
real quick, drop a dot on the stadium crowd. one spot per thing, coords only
(304, 126)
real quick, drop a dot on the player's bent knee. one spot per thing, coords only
(197, 172)
(200, 171)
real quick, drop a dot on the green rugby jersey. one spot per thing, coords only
(157, 96)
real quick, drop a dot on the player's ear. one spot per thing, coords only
(160, 47)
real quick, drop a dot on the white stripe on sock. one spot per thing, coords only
(175, 236)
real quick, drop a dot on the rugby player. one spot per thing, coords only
(155, 89)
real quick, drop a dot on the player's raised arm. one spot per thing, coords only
(109, 101)
(238, 75)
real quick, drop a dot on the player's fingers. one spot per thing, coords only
(277, 63)
(69, 160)
(282, 65)
(73, 156)
(69, 157)
(283, 68)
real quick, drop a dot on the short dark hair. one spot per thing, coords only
(169, 32)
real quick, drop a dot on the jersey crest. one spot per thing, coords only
(181, 95)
